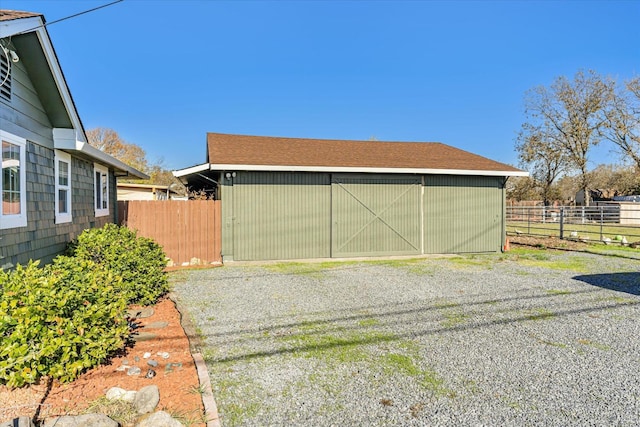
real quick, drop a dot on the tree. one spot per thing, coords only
(109, 141)
(521, 188)
(545, 161)
(617, 180)
(568, 116)
(622, 120)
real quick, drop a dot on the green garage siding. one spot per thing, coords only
(463, 214)
(297, 215)
(280, 215)
(375, 215)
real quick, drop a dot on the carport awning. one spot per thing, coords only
(197, 177)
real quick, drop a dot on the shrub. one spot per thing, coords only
(59, 320)
(138, 260)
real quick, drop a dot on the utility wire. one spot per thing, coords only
(71, 16)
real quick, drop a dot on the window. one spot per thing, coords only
(101, 185)
(13, 211)
(63, 187)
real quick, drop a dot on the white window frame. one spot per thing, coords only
(101, 205)
(15, 220)
(63, 217)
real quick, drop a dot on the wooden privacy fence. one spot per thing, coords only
(189, 231)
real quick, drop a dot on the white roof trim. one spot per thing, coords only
(65, 139)
(193, 169)
(15, 26)
(36, 25)
(274, 168)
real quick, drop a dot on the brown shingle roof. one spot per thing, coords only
(226, 149)
(8, 15)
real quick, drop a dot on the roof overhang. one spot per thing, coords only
(333, 169)
(41, 60)
(48, 72)
(192, 170)
(66, 140)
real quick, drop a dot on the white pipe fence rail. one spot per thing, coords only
(610, 223)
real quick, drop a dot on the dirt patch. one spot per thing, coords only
(549, 242)
(176, 376)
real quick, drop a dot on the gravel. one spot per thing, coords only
(528, 338)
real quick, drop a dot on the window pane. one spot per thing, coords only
(63, 173)
(98, 192)
(62, 202)
(10, 179)
(105, 196)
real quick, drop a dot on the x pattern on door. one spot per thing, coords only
(372, 219)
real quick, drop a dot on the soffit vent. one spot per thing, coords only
(5, 89)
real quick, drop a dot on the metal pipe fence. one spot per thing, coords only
(608, 223)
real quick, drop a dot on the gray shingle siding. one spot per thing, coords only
(42, 238)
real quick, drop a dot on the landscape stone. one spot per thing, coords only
(144, 336)
(117, 393)
(87, 420)
(132, 313)
(157, 325)
(146, 355)
(147, 399)
(146, 312)
(170, 366)
(129, 396)
(159, 419)
(152, 363)
(18, 422)
(95, 420)
(134, 370)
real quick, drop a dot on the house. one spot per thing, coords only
(291, 198)
(131, 191)
(54, 184)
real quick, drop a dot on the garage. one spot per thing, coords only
(294, 198)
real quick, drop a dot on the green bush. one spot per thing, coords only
(59, 320)
(138, 260)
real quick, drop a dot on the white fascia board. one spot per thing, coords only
(426, 171)
(36, 25)
(66, 140)
(193, 169)
(63, 89)
(20, 25)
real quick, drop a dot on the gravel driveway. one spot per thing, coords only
(526, 338)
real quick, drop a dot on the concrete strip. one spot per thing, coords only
(210, 407)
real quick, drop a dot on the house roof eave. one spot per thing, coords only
(65, 139)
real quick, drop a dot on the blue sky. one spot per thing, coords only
(164, 73)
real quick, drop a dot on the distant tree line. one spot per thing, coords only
(564, 122)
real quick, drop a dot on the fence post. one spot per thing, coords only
(529, 221)
(562, 223)
(601, 220)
